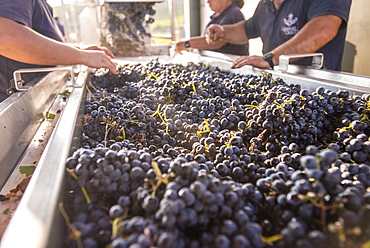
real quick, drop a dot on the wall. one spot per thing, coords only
(255, 45)
(356, 57)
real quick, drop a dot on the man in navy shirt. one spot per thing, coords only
(29, 37)
(290, 27)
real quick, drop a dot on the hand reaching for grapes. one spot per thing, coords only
(99, 57)
(99, 48)
(256, 61)
(41, 50)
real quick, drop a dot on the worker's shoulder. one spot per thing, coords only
(233, 14)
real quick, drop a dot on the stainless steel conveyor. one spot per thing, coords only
(37, 221)
(22, 113)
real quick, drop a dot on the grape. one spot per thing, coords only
(150, 204)
(189, 156)
(119, 243)
(115, 211)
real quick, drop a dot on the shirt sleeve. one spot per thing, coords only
(17, 10)
(330, 7)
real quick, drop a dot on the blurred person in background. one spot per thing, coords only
(225, 12)
(30, 38)
(60, 25)
(290, 27)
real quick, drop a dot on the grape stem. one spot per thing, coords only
(320, 204)
(157, 111)
(194, 88)
(161, 178)
(116, 224)
(75, 232)
(271, 239)
(205, 128)
(83, 189)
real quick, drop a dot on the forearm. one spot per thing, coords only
(314, 35)
(201, 43)
(235, 33)
(25, 45)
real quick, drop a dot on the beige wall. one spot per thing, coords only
(357, 52)
(255, 45)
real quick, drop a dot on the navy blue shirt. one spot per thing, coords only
(278, 26)
(35, 14)
(230, 15)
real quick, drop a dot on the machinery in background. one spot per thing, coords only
(125, 26)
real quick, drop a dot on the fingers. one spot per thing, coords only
(177, 49)
(256, 61)
(111, 66)
(239, 62)
(107, 63)
(214, 32)
(108, 52)
(100, 48)
(210, 35)
(99, 59)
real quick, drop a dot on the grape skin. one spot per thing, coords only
(227, 175)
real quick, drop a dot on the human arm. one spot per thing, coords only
(198, 43)
(96, 48)
(233, 33)
(314, 35)
(21, 43)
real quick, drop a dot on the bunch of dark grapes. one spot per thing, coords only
(125, 25)
(189, 156)
(127, 20)
(164, 202)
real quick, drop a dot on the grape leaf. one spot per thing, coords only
(50, 116)
(27, 169)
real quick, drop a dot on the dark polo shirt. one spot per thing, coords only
(278, 26)
(35, 14)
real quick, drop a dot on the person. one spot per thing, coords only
(60, 25)
(30, 38)
(225, 12)
(290, 27)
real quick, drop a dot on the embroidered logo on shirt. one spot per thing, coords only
(290, 29)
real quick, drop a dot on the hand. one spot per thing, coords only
(256, 61)
(179, 47)
(99, 59)
(99, 48)
(214, 32)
